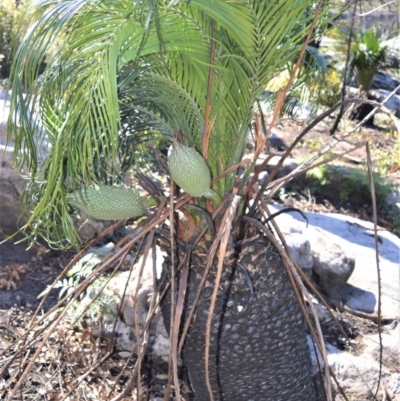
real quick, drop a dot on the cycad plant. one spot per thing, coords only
(188, 75)
(368, 57)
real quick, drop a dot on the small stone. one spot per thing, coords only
(332, 267)
(300, 251)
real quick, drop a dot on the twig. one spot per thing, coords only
(366, 118)
(207, 216)
(156, 154)
(222, 237)
(266, 184)
(136, 304)
(124, 292)
(344, 308)
(210, 258)
(375, 9)
(346, 66)
(306, 166)
(375, 218)
(33, 324)
(153, 305)
(173, 357)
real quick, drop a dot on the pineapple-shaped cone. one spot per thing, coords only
(189, 170)
(105, 202)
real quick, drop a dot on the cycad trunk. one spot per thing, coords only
(258, 348)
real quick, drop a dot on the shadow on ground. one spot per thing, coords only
(24, 274)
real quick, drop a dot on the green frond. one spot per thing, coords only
(122, 72)
(368, 55)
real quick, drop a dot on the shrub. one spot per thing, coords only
(330, 94)
(387, 160)
(349, 184)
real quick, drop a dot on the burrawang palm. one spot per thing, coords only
(187, 74)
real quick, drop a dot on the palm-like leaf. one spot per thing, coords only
(126, 70)
(368, 56)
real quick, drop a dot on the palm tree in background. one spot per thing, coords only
(123, 73)
(368, 56)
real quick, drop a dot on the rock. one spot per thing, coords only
(378, 95)
(276, 142)
(300, 251)
(393, 200)
(124, 335)
(393, 57)
(261, 177)
(112, 295)
(160, 338)
(386, 81)
(10, 208)
(392, 104)
(11, 181)
(287, 167)
(322, 260)
(299, 246)
(358, 374)
(89, 228)
(355, 237)
(332, 267)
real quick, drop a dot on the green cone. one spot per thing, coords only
(189, 170)
(108, 203)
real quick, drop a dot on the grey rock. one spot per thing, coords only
(392, 104)
(386, 81)
(326, 263)
(332, 267)
(358, 374)
(261, 177)
(355, 237)
(393, 57)
(161, 337)
(11, 187)
(297, 242)
(125, 335)
(276, 142)
(287, 167)
(394, 199)
(89, 228)
(379, 95)
(300, 251)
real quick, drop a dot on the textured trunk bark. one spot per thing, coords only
(361, 111)
(258, 346)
